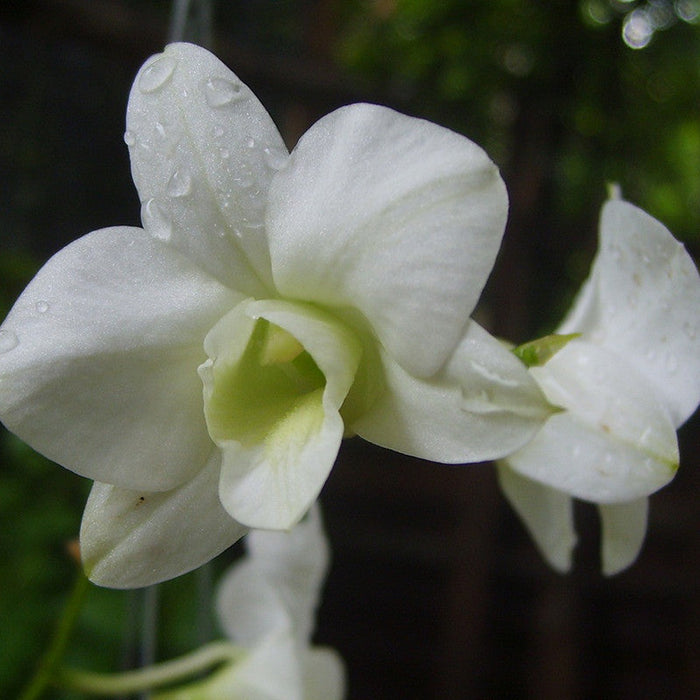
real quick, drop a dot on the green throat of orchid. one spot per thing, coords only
(275, 381)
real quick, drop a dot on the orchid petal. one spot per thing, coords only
(132, 538)
(277, 422)
(296, 563)
(203, 151)
(615, 441)
(323, 674)
(642, 301)
(583, 461)
(103, 378)
(250, 608)
(546, 513)
(394, 216)
(270, 671)
(482, 405)
(277, 585)
(586, 461)
(623, 529)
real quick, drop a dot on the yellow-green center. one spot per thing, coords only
(274, 379)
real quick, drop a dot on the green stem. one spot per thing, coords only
(44, 675)
(150, 676)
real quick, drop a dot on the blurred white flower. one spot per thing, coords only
(628, 378)
(313, 295)
(267, 604)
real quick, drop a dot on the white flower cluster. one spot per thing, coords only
(266, 604)
(203, 369)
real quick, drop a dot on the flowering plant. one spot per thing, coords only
(625, 369)
(266, 604)
(204, 369)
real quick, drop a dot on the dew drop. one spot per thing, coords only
(250, 142)
(180, 183)
(245, 178)
(160, 129)
(275, 158)
(42, 306)
(157, 74)
(129, 138)
(155, 221)
(220, 92)
(8, 341)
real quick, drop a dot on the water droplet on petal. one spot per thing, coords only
(220, 92)
(155, 221)
(160, 130)
(275, 158)
(180, 183)
(245, 178)
(8, 341)
(250, 142)
(157, 74)
(129, 138)
(42, 306)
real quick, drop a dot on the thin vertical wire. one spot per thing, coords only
(178, 20)
(149, 629)
(206, 35)
(191, 20)
(204, 603)
(130, 631)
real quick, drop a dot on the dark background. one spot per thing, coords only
(435, 590)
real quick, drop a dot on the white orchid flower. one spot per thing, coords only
(267, 605)
(626, 381)
(204, 369)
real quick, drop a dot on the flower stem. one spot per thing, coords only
(46, 671)
(150, 677)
